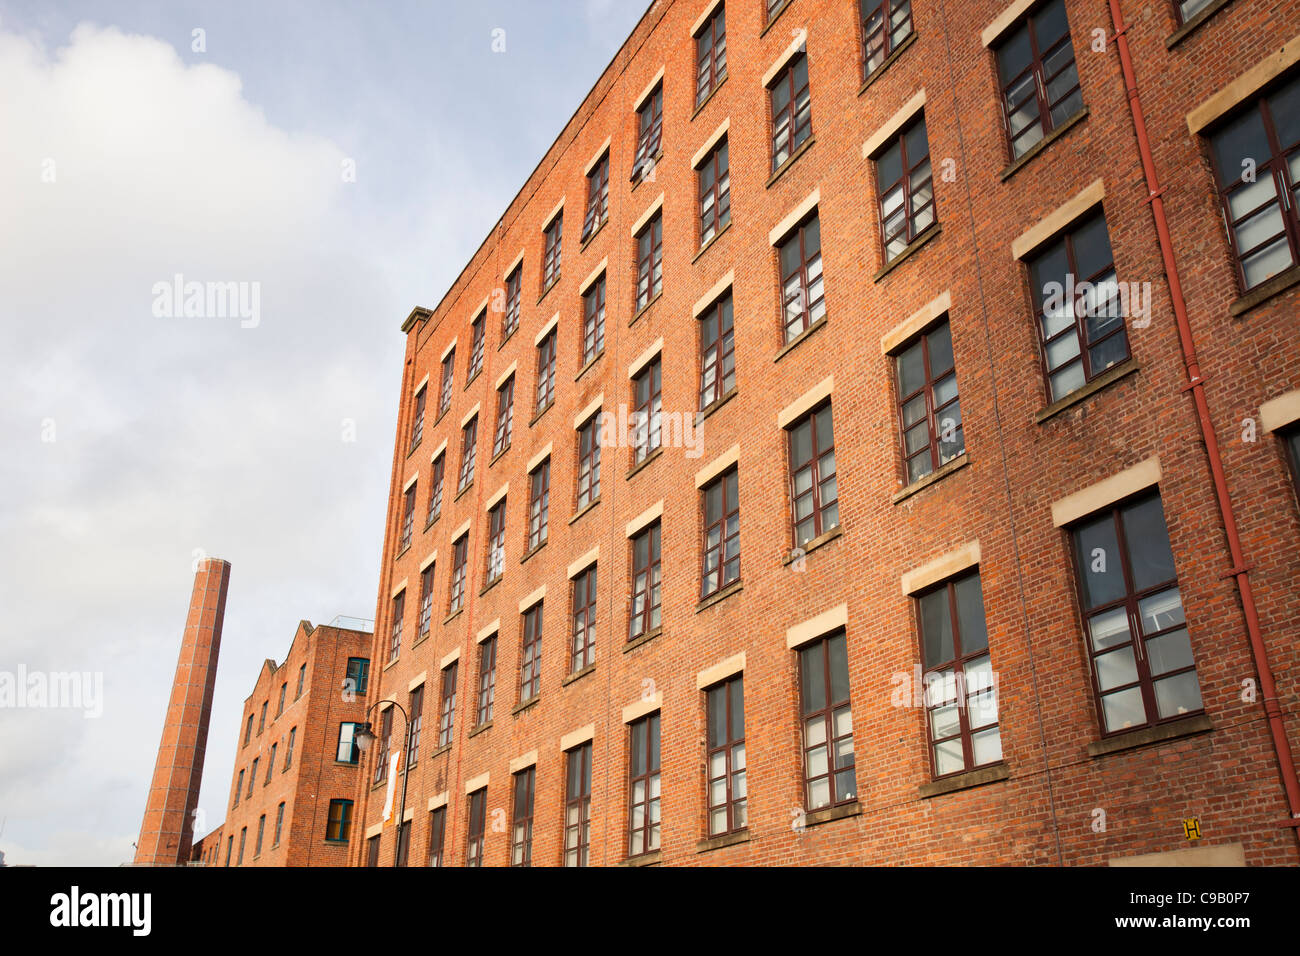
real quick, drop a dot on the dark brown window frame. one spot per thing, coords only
(644, 773)
(884, 29)
(408, 518)
(909, 168)
(710, 55)
(650, 260)
(487, 681)
(593, 320)
(597, 197)
(539, 504)
(523, 786)
(1036, 69)
(545, 392)
(496, 542)
(478, 342)
(800, 288)
(437, 476)
(417, 721)
(505, 417)
(437, 834)
(459, 573)
(468, 453)
(826, 714)
(934, 410)
(417, 418)
(447, 705)
(426, 601)
(647, 411)
(588, 483)
(716, 380)
(553, 244)
(448, 383)
(477, 825)
(714, 178)
(791, 123)
(714, 573)
(582, 620)
(650, 128)
(530, 653)
(818, 454)
(385, 742)
(735, 809)
(395, 633)
(647, 581)
(514, 296)
(576, 846)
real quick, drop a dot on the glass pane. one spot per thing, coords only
(1170, 652)
(1050, 24)
(970, 615)
(889, 167)
(1014, 55)
(1266, 263)
(1091, 248)
(1160, 611)
(1236, 142)
(1148, 544)
(738, 715)
(1123, 709)
(1047, 268)
(839, 661)
(1067, 380)
(812, 678)
(986, 746)
(945, 722)
(1097, 550)
(913, 411)
(819, 794)
(945, 390)
(1116, 668)
(948, 757)
(1062, 350)
(1284, 106)
(801, 445)
(818, 762)
(1109, 628)
(1176, 695)
(911, 370)
(936, 629)
(917, 145)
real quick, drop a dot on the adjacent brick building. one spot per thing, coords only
(291, 797)
(921, 473)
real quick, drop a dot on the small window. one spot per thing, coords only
(514, 294)
(551, 252)
(906, 189)
(248, 730)
(270, 764)
(459, 560)
(426, 602)
(539, 501)
(710, 55)
(347, 750)
(717, 352)
(447, 705)
(530, 655)
(302, 676)
(1190, 8)
(478, 332)
(230, 846)
(435, 487)
(288, 751)
(284, 690)
(721, 533)
(448, 377)
(727, 791)
(395, 636)
(643, 786)
(650, 261)
(252, 776)
(261, 829)
(358, 675)
(403, 842)
(1292, 442)
(715, 193)
(261, 723)
(583, 651)
(1038, 76)
(372, 851)
(961, 705)
(437, 834)
(487, 680)
(408, 518)
(521, 830)
(814, 491)
(885, 25)
(597, 198)
(774, 7)
(589, 439)
(649, 123)
(646, 574)
(496, 544)
(593, 321)
(385, 743)
(791, 110)
(577, 805)
(243, 838)
(647, 393)
(1080, 314)
(468, 445)
(827, 723)
(545, 373)
(802, 290)
(505, 416)
(417, 420)
(929, 413)
(477, 819)
(239, 788)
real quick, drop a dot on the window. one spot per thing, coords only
(928, 411)
(643, 786)
(584, 620)
(1292, 441)
(496, 548)
(435, 487)
(521, 833)
(426, 602)
(468, 438)
(261, 723)
(372, 851)
(551, 252)
(589, 462)
(448, 375)
(348, 751)
(814, 493)
(1260, 209)
(593, 321)
(505, 416)
(597, 198)
(645, 583)
(358, 674)
(417, 420)
(408, 518)
(514, 293)
(649, 261)
(717, 352)
(885, 25)
(802, 292)
(252, 776)
(827, 722)
(721, 533)
(284, 689)
(715, 193)
(530, 656)
(403, 842)
(385, 739)
(647, 392)
(447, 707)
(239, 788)
(417, 721)
(261, 829)
(437, 833)
(477, 334)
(906, 186)
(774, 7)
(649, 125)
(1078, 307)
(474, 839)
(288, 751)
(302, 676)
(791, 110)
(243, 838)
(727, 792)
(230, 846)
(577, 805)
(459, 557)
(270, 764)
(961, 706)
(487, 680)
(248, 730)
(539, 503)
(546, 372)
(395, 639)
(710, 56)
(1143, 669)
(1038, 76)
(1190, 8)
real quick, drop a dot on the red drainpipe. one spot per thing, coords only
(1196, 385)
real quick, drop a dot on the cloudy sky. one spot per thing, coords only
(136, 441)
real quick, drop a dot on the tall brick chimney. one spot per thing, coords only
(167, 832)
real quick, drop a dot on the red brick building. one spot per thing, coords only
(928, 558)
(291, 798)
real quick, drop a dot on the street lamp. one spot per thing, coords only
(364, 737)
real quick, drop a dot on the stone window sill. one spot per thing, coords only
(461, 492)
(584, 509)
(523, 705)
(771, 20)
(714, 405)
(647, 307)
(965, 781)
(1187, 727)
(1018, 164)
(645, 859)
(397, 557)
(411, 450)
(799, 339)
(943, 471)
(540, 412)
(725, 839)
(392, 662)
(712, 239)
(928, 233)
(479, 729)
(594, 233)
(441, 415)
(497, 457)
(577, 675)
(547, 288)
(712, 93)
(645, 638)
(491, 584)
(453, 615)
(832, 813)
(1194, 23)
(472, 379)
(433, 521)
(790, 160)
(440, 751)
(338, 763)
(507, 337)
(640, 175)
(826, 537)
(532, 551)
(645, 461)
(1265, 291)
(583, 371)
(898, 51)
(1122, 370)
(721, 594)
